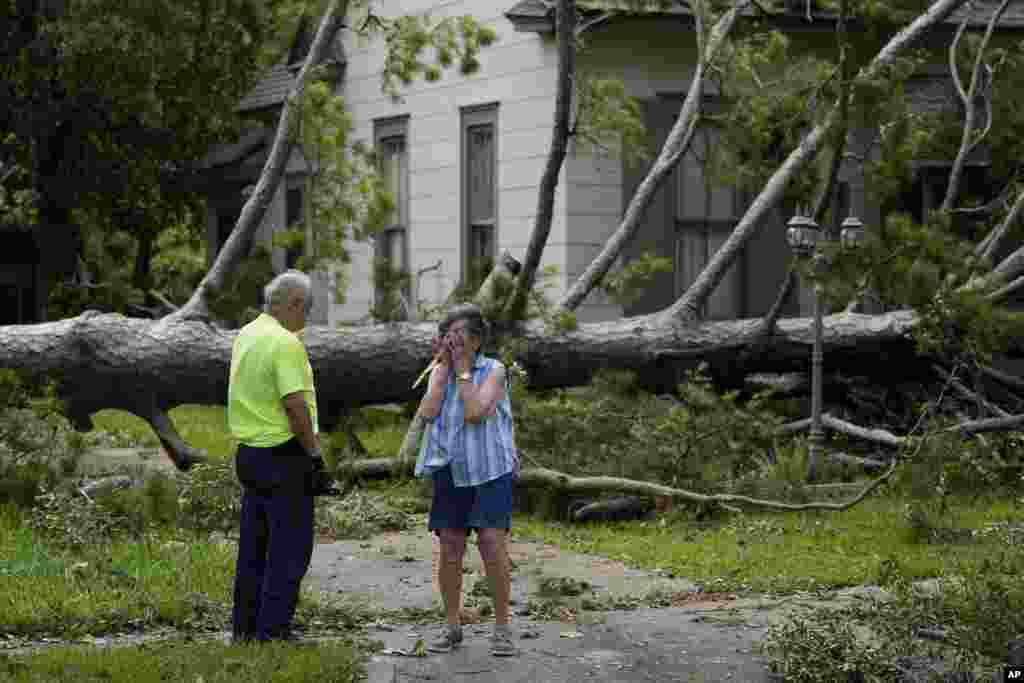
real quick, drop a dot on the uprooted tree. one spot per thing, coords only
(945, 296)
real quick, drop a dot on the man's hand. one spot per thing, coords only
(300, 422)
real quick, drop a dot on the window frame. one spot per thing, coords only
(386, 129)
(703, 226)
(470, 117)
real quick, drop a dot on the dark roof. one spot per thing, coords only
(539, 15)
(271, 90)
(251, 141)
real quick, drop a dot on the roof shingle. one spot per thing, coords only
(270, 91)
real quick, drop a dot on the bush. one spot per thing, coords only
(816, 648)
(210, 497)
(978, 612)
(613, 427)
(37, 445)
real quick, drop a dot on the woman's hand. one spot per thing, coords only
(440, 347)
(458, 354)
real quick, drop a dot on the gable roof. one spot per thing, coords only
(251, 141)
(273, 88)
(270, 91)
(539, 15)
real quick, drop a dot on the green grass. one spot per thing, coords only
(205, 427)
(759, 551)
(784, 552)
(201, 426)
(189, 662)
(125, 584)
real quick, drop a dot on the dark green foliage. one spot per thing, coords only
(389, 283)
(613, 427)
(979, 611)
(37, 445)
(627, 285)
(210, 497)
(66, 518)
(237, 302)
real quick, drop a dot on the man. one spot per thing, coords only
(272, 413)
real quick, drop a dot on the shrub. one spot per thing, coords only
(613, 427)
(210, 497)
(37, 444)
(978, 613)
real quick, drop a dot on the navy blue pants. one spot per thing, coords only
(275, 541)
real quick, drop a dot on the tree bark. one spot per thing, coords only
(237, 245)
(147, 367)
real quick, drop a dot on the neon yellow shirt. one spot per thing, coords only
(267, 363)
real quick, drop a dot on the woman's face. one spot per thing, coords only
(457, 330)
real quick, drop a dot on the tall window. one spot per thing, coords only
(705, 214)
(392, 243)
(293, 219)
(479, 196)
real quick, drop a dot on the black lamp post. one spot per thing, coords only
(804, 235)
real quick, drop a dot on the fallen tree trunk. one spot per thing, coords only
(147, 367)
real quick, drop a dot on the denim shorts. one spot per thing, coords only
(487, 506)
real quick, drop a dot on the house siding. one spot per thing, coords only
(517, 73)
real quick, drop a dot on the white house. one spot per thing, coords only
(465, 155)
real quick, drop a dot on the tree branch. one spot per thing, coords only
(675, 146)
(772, 316)
(999, 376)
(954, 48)
(540, 476)
(237, 244)
(993, 424)
(1010, 288)
(587, 25)
(686, 309)
(991, 245)
(566, 31)
(959, 387)
(966, 143)
(879, 436)
(177, 449)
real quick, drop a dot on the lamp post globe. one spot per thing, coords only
(802, 234)
(851, 234)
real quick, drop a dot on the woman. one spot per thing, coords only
(469, 452)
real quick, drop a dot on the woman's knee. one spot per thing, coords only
(490, 540)
(453, 542)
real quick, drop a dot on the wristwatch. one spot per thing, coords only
(464, 377)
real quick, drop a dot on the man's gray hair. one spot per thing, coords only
(276, 292)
